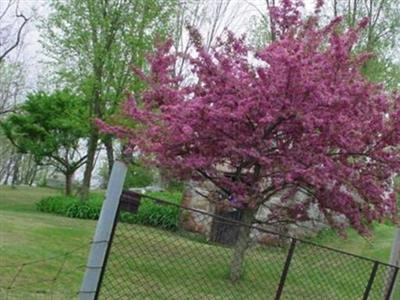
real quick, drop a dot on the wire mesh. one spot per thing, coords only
(318, 273)
(56, 277)
(196, 261)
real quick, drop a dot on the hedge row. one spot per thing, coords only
(149, 213)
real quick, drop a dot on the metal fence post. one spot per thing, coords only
(391, 291)
(394, 260)
(285, 269)
(103, 234)
(371, 280)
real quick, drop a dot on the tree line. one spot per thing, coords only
(91, 48)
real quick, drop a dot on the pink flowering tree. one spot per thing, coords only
(295, 117)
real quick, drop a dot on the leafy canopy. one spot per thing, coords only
(294, 117)
(49, 126)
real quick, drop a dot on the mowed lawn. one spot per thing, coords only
(28, 236)
(153, 264)
(148, 263)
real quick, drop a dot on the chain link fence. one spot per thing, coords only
(195, 261)
(55, 277)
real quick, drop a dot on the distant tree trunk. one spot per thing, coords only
(8, 171)
(95, 112)
(15, 178)
(30, 169)
(241, 246)
(335, 10)
(33, 175)
(26, 169)
(271, 20)
(108, 143)
(68, 183)
(91, 153)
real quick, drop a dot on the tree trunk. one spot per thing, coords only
(335, 11)
(95, 112)
(87, 177)
(30, 170)
(68, 183)
(108, 143)
(33, 176)
(15, 178)
(272, 21)
(241, 246)
(8, 171)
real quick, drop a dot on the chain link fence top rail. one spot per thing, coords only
(194, 263)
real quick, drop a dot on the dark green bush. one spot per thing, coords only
(149, 213)
(154, 215)
(71, 206)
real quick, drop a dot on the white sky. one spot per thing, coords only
(31, 52)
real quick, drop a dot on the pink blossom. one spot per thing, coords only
(302, 119)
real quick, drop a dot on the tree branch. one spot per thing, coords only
(210, 178)
(7, 51)
(6, 111)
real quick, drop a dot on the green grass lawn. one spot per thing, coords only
(377, 247)
(160, 259)
(27, 235)
(164, 265)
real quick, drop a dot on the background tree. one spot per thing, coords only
(11, 85)
(93, 45)
(11, 29)
(296, 117)
(49, 127)
(15, 167)
(379, 37)
(211, 16)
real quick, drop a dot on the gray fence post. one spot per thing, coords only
(394, 260)
(104, 228)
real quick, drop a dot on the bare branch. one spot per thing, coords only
(19, 33)
(9, 4)
(6, 111)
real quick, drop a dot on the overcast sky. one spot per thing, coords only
(39, 9)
